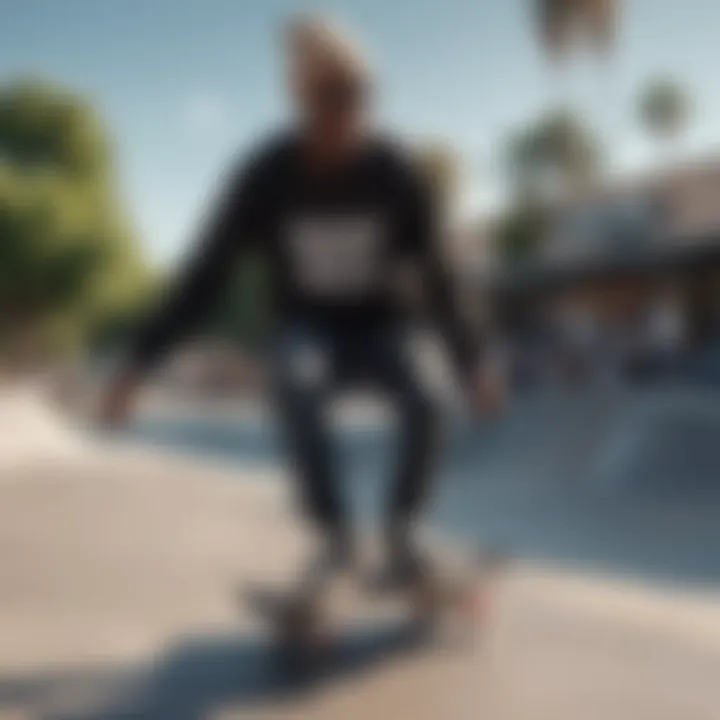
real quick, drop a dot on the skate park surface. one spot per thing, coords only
(121, 565)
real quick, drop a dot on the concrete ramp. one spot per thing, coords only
(32, 430)
(118, 578)
(615, 479)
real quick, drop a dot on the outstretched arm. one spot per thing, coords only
(231, 228)
(422, 238)
(467, 346)
(228, 232)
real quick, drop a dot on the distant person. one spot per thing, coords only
(336, 207)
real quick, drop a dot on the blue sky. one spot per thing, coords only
(183, 84)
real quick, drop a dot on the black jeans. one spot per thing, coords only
(314, 361)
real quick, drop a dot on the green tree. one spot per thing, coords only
(244, 313)
(68, 260)
(556, 154)
(554, 157)
(519, 232)
(664, 109)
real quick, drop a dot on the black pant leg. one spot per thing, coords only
(305, 368)
(419, 427)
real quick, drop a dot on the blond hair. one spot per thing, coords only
(317, 47)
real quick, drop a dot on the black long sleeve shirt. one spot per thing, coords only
(334, 240)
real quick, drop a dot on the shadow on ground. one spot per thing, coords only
(200, 676)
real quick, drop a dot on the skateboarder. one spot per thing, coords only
(337, 208)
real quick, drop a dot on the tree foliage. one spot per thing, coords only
(520, 231)
(557, 153)
(551, 158)
(244, 313)
(68, 260)
(664, 108)
(560, 22)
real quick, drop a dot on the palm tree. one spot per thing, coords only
(561, 21)
(664, 109)
(556, 154)
(563, 25)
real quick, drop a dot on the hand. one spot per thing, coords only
(116, 403)
(489, 392)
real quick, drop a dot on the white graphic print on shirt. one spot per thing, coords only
(336, 256)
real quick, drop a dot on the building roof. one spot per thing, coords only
(627, 225)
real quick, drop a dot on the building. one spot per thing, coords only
(634, 264)
(624, 248)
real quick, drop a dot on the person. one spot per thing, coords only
(336, 207)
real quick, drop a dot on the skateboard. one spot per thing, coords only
(305, 632)
(300, 627)
(455, 595)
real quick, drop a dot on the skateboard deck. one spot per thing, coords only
(314, 628)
